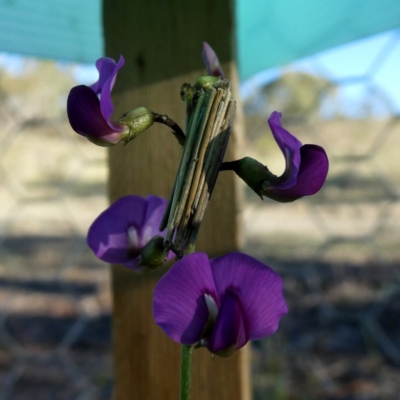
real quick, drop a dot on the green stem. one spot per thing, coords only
(186, 364)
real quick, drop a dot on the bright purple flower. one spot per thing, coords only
(211, 61)
(90, 116)
(220, 303)
(119, 233)
(306, 166)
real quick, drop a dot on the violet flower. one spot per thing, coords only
(211, 61)
(306, 166)
(120, 233)
(220, 303)
(305, 172)
(90, 116)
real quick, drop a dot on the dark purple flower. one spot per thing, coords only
(305, 172)
(306, 166)
(120, 233)
(90, 116)
(211, 61)
(220, 303)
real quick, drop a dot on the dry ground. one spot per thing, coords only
(338, 253)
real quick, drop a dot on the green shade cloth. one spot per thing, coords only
(270, 32)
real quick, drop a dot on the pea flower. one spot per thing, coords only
(90, 116)
(128, 230)
(220, 303)
(211, 61)
(305, 172)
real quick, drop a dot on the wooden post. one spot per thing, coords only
(162, 42)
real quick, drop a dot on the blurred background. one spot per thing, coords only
(337, 251)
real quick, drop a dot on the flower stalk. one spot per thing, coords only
(176, 129)
(186, 367)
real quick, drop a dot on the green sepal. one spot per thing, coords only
(137, 121)
(152, 254)
(254, 174)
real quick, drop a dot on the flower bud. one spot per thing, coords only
(137, 121)
(207, 81)
(152, 254)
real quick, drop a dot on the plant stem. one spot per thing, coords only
(228, 165)
(176, 129)
(186, 366)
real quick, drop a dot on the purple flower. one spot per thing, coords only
(306, 166)
(305, 172)
(90, 116)
(220, 303)
(211, 61)
(120, 233)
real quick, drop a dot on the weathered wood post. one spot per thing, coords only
(162, 42)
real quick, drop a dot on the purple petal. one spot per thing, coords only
(107, 236)
(85, 117)
(154, 213)
(290, 147)
(230, 330)
(211, 61)
(260, 290)
(179, 306)
(155, 210)
(312, 175)
(106, 67)
(106, 105)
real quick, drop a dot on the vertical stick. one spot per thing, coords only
(162, 43)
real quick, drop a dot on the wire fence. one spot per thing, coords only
(337, 251)
(55, 296)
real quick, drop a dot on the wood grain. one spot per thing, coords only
(161, 43)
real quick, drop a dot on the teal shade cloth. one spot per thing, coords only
(269, 32)
(68, 30)
(276, 32)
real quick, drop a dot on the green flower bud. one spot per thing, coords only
(137, 121)
(206, 82)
